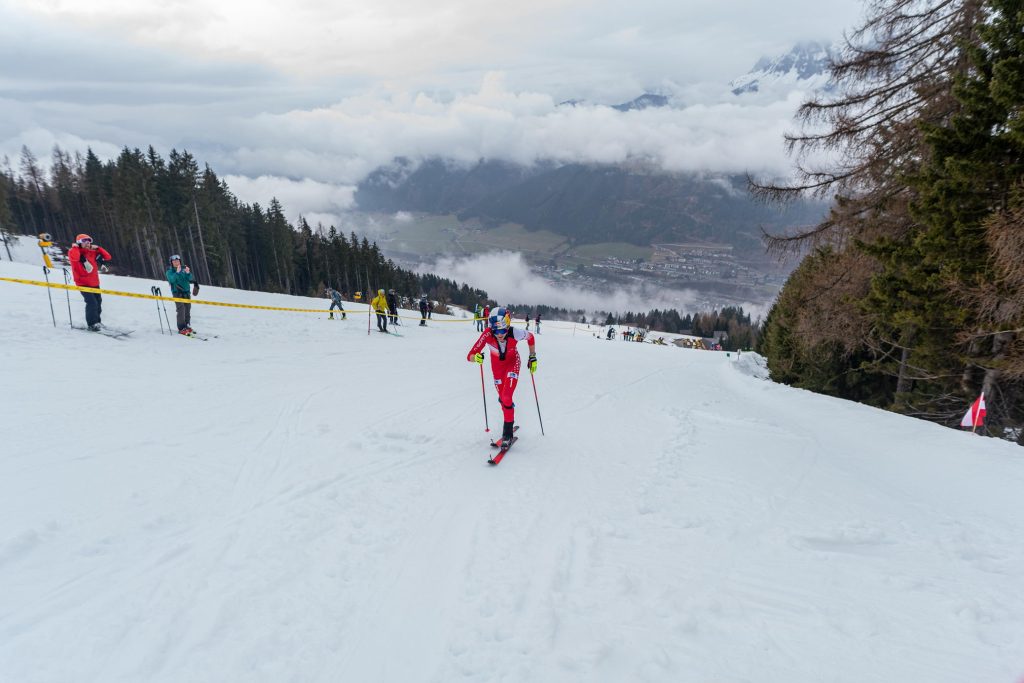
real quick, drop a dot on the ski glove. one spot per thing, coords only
(479, 358)
(87, 266)
(531, 363)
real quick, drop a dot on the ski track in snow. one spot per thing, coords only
(299, 501)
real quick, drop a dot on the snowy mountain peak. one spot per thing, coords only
(805, 66)
(648, 100)
(645, 101)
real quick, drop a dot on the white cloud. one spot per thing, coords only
(507, 278)
(316, 201)
(303, 100)
(323, 221)
(342, 143)
(451, 78)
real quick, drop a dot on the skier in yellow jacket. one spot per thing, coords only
(380, 307)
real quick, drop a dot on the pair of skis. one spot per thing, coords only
(502, 448)
(107, 332)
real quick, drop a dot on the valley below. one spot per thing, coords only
(696, 273)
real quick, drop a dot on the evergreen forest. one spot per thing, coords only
(741, 332)
(911, 293)
(143, 208)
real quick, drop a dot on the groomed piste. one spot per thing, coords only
(296, 500)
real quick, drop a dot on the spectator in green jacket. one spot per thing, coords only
(180, 279)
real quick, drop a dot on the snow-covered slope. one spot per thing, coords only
(295, 500)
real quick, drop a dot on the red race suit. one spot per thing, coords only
(505, 363)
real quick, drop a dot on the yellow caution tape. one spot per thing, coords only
(97, 290)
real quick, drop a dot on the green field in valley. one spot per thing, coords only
(427, 236)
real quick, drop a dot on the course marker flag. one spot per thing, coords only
(975, 416)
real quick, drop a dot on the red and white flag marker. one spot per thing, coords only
(975, 416)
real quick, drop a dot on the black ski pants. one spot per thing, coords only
(93, 307)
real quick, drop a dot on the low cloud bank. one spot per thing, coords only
(343, 143)
(507, 278)
(317, 202)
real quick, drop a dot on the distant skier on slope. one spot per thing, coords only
(503, 341)
(393, 306)
(335, 297)
(423, 310)
(480, 316)
(380, 307)
(179, 277)
(86, 259)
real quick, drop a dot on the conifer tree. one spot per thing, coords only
(6, 220)
(144, 208)
(924, 129)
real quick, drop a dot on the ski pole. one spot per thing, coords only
(164, 304)
(46, 272)
(153, 290)
(67, 294)
(160, 293)
(483, 392)
(537, 400)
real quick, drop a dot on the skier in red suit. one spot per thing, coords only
(503, 341)
(86, 259)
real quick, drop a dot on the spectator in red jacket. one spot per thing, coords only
(86, 259)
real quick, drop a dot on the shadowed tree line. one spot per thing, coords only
(144, 208)
(731, 319)
(912, 295)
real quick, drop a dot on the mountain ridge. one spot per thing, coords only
(588, 203)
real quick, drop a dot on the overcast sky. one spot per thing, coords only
(301, 99)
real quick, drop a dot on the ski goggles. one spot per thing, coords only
(175, 257)
(85, 240)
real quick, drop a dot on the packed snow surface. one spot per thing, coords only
(297, 500)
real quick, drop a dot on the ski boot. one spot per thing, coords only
(506, 433)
